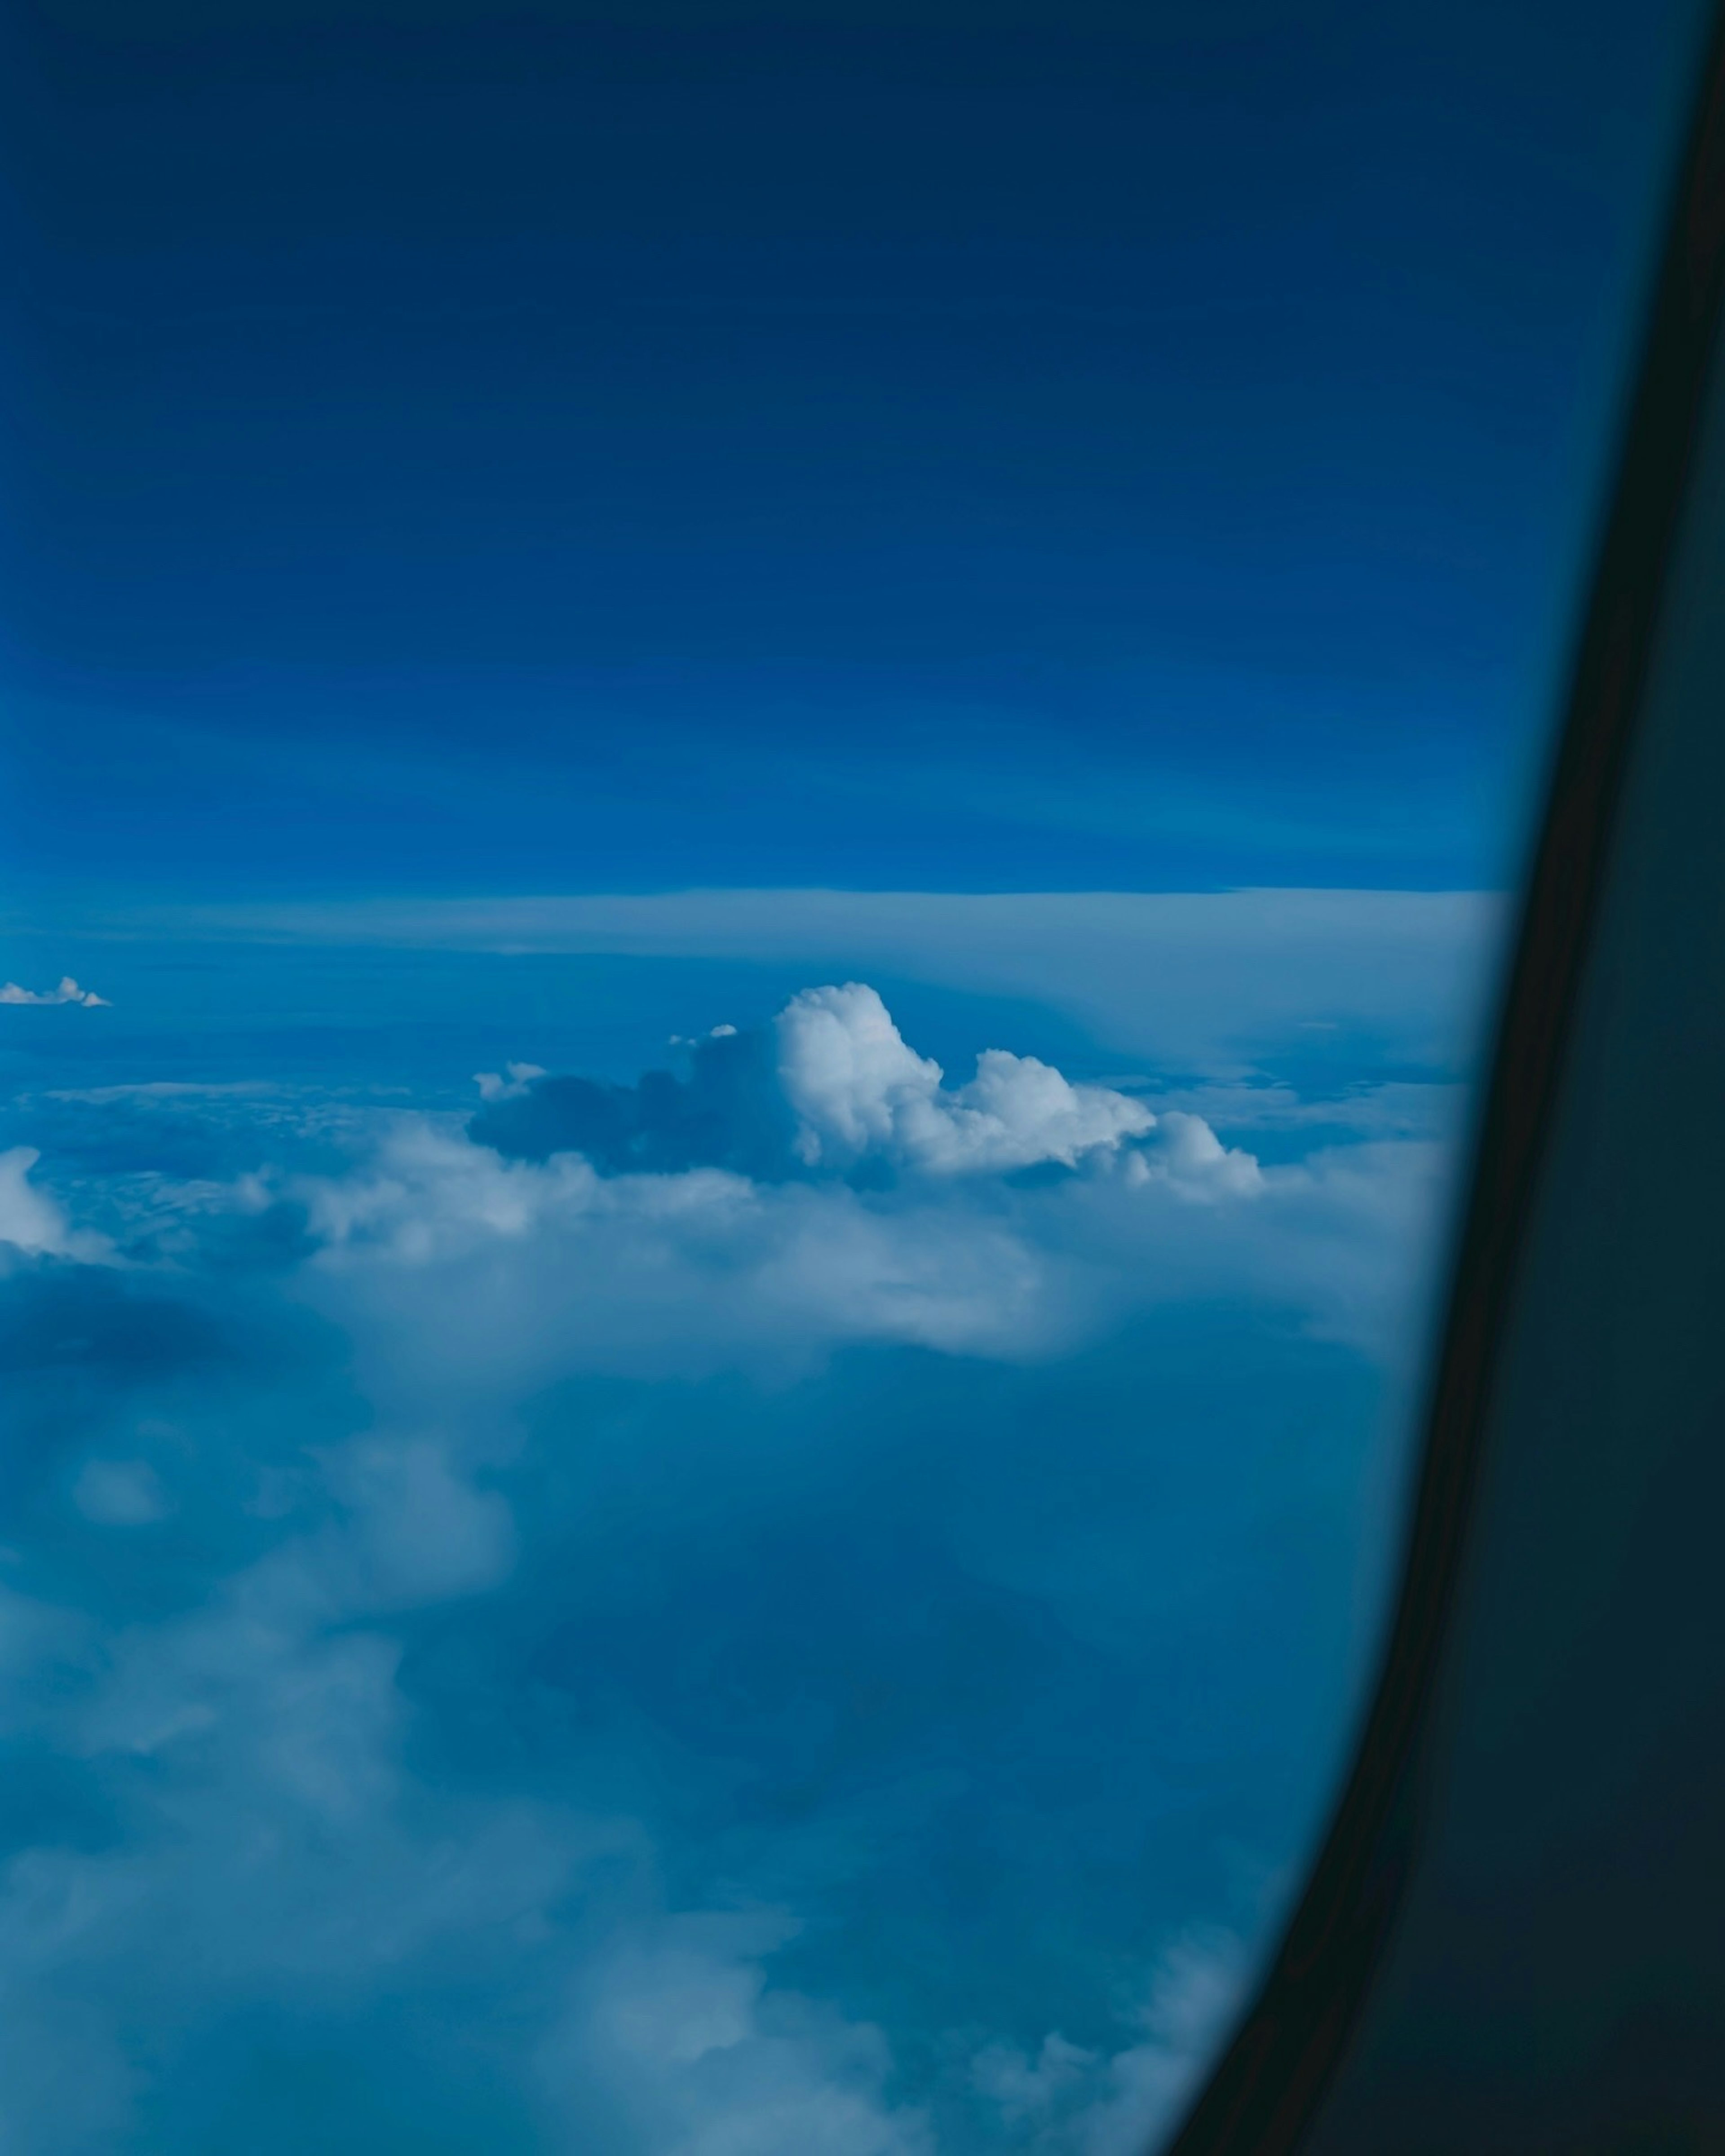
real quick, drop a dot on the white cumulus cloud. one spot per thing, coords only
(856, 1086)
(1195, 1163)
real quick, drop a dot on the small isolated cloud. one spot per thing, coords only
(510, 1085)
(67, 992)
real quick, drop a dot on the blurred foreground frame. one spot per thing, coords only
(1514, 1938)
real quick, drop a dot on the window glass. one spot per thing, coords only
(762, 772)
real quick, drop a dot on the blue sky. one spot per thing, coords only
(1148, 447)
(763, 781)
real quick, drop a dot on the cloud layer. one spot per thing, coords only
(752, 1612)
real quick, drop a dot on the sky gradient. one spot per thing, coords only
(596, 448)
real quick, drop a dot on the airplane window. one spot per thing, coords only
(765, 771)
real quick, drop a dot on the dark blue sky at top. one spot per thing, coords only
(1019, 446)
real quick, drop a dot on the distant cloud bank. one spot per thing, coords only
(1197, 979)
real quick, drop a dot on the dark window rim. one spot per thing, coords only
(1267, 2088)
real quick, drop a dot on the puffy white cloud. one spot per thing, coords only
(419, 1531)
(462, 1273)
(533, 1265)
(460, 1268)
(1022, 2088)
(465, 1272)
(508, 1085)
(278, 1654)
(830, 1088)
(67, 992)
(29, 1219)
(856, 1087)
(276, 1834)
(1069, 2101)
(263, 1728)
(678, 2032)
(847, 1071)
(1195, 1163)
(1193, 1995)
(279, 1836)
